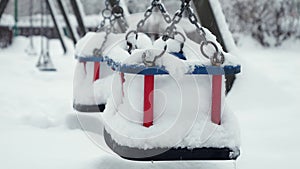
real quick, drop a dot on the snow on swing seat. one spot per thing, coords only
(91, 88)
(92, 76)
(182, 128)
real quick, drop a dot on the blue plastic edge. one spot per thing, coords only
(142, 70)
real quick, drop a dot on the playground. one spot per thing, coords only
(130, 94)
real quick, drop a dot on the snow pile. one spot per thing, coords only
(94, 40)
(7, 20)
(83, 92)
(102, 86)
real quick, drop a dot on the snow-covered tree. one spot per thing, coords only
(271, 22)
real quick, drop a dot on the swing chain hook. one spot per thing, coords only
(151, 63)
(130, 45)
(217, 58)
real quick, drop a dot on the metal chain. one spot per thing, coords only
(118, 14)
(170, 30)
(107, 15)
(98, 52)
(218, 57)
(154, 4)
(110, 15)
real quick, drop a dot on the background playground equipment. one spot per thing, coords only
(44, 62)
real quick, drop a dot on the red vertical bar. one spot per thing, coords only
(216, 99)
(84, 66)
(122, 81)
(148, 100)
(96, 70)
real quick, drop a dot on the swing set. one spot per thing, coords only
(210, 61)
(44, 61)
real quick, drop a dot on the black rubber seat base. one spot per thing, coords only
(170, 154)
(89, 108)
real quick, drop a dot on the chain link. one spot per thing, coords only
(110, 15)
(154, 4)
(98, 52)
(106, 14)
(218, 57)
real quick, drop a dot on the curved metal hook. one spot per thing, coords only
(129, 44)
(215, 60)
(150, 63)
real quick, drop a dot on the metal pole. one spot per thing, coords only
(56, 26)
(3, 5)
(68, 24)
(16, 19)
(31, 26)
(82, 29)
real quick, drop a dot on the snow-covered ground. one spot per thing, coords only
(266, 99)
(39, 129)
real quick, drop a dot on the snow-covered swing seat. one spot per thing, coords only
(92, 78)
(168, 100)
(90, 68)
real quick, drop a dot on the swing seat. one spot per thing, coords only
(85, 103)
(86, 75)
(46, 67)
(86, 72)
(130, 152)
(90, 69)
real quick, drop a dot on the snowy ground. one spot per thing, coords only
(38, 128)
(266, 99)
